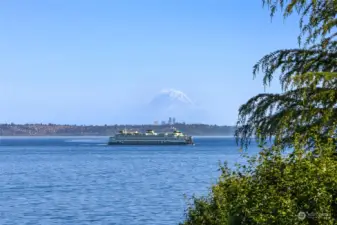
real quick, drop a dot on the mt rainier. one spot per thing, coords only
(170, 98)
(175, 103)
(167, 103)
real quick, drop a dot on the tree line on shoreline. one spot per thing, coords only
(106, 130)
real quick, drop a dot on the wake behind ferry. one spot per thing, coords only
(125, 137)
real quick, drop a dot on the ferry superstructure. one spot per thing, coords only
(150, 137)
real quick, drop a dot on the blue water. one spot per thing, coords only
(80, 180)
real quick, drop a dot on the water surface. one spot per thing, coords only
(80, 180)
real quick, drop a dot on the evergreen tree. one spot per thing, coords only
(300, 188)
(308, 76)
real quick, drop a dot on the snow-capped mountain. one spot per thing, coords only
(175, 103)
(167, 103)
(171, 98)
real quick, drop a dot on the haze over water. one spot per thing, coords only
(80, 180)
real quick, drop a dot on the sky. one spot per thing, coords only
(82, 62)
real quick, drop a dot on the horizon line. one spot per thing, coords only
(140, 124)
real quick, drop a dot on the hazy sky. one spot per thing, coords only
(82, 61)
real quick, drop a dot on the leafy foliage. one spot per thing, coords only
(308, 109)
(272, 189)
(308, 77)
(300, 187)
(317, 17)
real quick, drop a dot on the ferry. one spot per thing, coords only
(150, 137)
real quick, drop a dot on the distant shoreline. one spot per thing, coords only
(96, 136)
(31, 130)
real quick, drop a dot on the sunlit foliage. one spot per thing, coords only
(299, 187)
(308, 76)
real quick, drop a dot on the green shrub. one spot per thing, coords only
(301, 187)
(272, 189)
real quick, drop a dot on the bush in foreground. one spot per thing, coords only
(300, 188)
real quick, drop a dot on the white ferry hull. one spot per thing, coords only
(150, 138)
(136, 142)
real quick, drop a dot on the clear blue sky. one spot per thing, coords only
(82, 61)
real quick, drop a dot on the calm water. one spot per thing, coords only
(82, 181)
